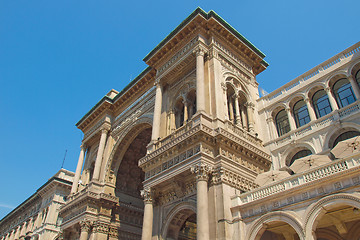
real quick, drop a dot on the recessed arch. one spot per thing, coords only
(337, 131)
(259, 226)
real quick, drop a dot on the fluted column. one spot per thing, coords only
(250, 113)
(237, 111)
(291, 119)
(354, 86)
(78, 169)
(310, 109)
(200, 80)
(85, 227)
(157, 111)
(202, 172)
(332, 100)
(148, 215)
(99, 156)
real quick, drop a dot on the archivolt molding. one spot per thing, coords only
(123, 141)
(291, 151)
(238, 84)
(352, 66)
(336, 131)
(288, 217)
(318, 208)
(335, 74)
(175, 210)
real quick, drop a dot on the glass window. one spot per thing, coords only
(343, 93)
(282, 123)
(321, 104)
(301, 113)
(300, 154)
(345, 135)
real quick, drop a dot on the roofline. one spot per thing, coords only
(208, 15)
(34, 194)
(112, 100)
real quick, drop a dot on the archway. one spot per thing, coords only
(129, 179)
(277, 230)
(182, 226)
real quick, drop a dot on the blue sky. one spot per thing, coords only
(59, 58)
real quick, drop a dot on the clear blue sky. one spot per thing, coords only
(59, 58)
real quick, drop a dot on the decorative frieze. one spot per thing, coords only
(222, 175)
(100, 227)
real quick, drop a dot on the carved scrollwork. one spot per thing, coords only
(85, 225)
(147, 194)
(201, 171)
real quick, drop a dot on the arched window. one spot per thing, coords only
(343, 93)
(282, 123)
(321, 103)
(179, 113)
(301, 113)
(357, 77)
(344, 136)
(300, 154)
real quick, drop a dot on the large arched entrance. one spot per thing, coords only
(182, 226)
(129, 181)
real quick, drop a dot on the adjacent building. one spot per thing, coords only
(38, 216)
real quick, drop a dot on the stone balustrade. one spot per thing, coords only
(298, 180)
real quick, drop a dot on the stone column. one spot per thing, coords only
(354, 86)
(200, 81)
(290, 119)
(202, 172)
(99, 156)
(237, 111)
(332, 100)
(310, 109)
(148, 215)
(244, 117)
(250, 113)
(100, 230)
(223, 86)
(272, 128)
(231, 110)
(172, 121)
(185, 111)
(78, 169)
(157, 111)
(85, 227)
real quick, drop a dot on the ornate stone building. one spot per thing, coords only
(178, 153)
(37, 217)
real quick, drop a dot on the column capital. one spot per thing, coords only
(287, 109)
(100, 227)
(223, 86)
(328, 89)
(250, 105)
(157, 82)
(306, 100)
(202, 171)
(83, 146)
(85, 225)
(269, 120)
(147, 194)
(199, 51)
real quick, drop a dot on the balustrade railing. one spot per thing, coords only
(355, 49)
(301, 179)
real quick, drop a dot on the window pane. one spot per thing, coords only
(300, 154)
(282, 123)
(343, 93)
(321, 104)
(301, 113)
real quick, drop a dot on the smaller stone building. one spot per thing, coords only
(37, 217)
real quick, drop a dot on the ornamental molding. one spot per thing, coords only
(247, 163)
(178, 56)
(231, 55)
(201, 171)
(229, 177)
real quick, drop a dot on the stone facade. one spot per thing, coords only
(37, 217)
(176, 154)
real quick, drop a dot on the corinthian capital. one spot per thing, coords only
(199, 51)
(202, 171)
(147, 194)
(85, 225)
